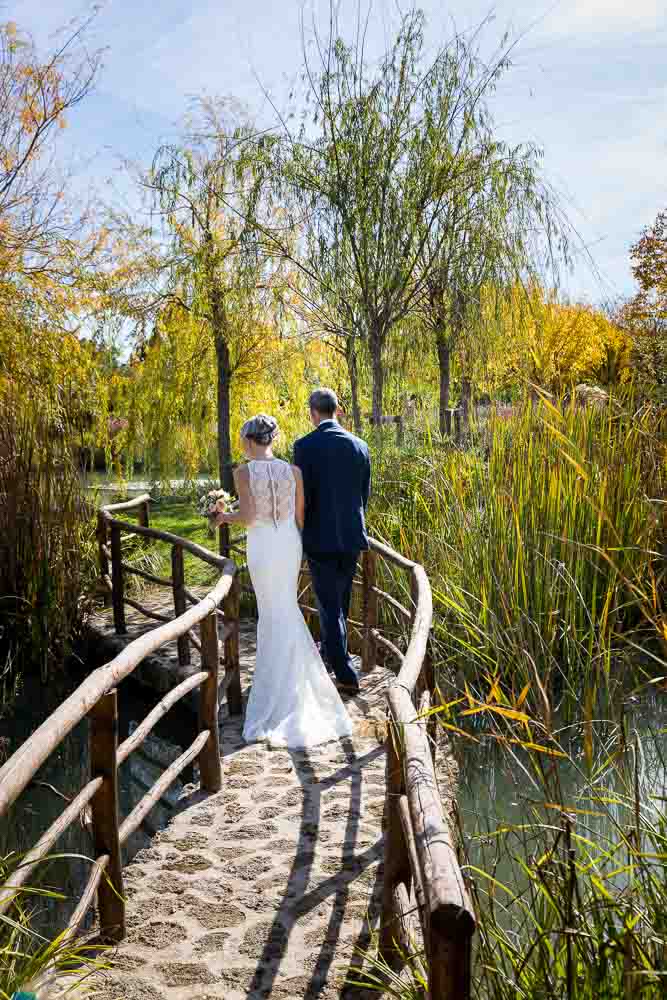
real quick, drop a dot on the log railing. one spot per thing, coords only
(421, 871)
(424, 895)
(425, 903)
(96, 700)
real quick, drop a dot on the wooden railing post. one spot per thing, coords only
(370, 610)
(457, 425)
(399, 431)
(448, 961)
(180, 601)
(232, 610)
(396, 858)
(144, 514)
(117, 586)
(448, 422)
(102, 546)
(210, 770)
(223, 540)
(104, 808)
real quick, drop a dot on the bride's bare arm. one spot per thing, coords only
(246, 512)
(299, 502)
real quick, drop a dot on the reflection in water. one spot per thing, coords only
(507, 799)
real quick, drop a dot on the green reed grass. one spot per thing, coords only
(47, 556)
(31, 962)
(542, 540)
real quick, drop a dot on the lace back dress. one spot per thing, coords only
(293, 702)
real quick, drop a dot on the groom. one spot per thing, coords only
(336, 473)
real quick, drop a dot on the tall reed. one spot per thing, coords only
(46, 543)
(542, 541)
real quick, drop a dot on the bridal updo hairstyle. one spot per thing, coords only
(261, 429)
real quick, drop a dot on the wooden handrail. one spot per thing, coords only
(421, 866)
(127, 504)
(96, 698)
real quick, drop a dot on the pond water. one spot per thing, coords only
(62, 777)
(499, 789)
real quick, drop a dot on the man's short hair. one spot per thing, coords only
(324, 402)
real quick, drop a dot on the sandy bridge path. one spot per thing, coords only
(267, 888)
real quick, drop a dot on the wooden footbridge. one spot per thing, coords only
(280, 868)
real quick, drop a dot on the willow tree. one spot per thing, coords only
(209, 194)
(327, 301)
(484, 235)
(384, 149)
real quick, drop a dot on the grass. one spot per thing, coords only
(33, 963)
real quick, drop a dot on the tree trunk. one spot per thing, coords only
(375, 341)
(466, 393)
(351, 357)
(444, 359)
(224, 418)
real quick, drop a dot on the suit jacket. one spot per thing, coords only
(336, 471)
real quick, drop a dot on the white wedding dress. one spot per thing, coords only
(293, 702)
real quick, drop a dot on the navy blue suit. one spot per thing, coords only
(336, 473)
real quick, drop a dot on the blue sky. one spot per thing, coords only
(588, 85)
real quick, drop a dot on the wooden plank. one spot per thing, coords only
(133, 821)
(117, 581)
(22, 765)
(134, 741)
(180, 602)
(210, 769)
(232, 609)
(104, 807)
(46, 841)
(370, 611)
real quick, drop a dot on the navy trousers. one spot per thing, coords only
(332, 575)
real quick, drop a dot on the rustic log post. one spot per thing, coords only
(105, 821)
(102, 545)
(232, 610)
(180, 601)
(370, 611)
(457, 425)
(396, 857)
(117, 586)
(448, 422)
(448, 961)
(210, 770)
(399, 431)
(223, 540)
(144, 514)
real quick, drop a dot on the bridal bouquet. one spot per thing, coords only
(215, 502)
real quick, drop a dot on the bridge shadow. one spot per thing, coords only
(303, 891)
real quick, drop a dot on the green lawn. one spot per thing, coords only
(182, 519)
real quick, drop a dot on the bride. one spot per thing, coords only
(293, 702)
